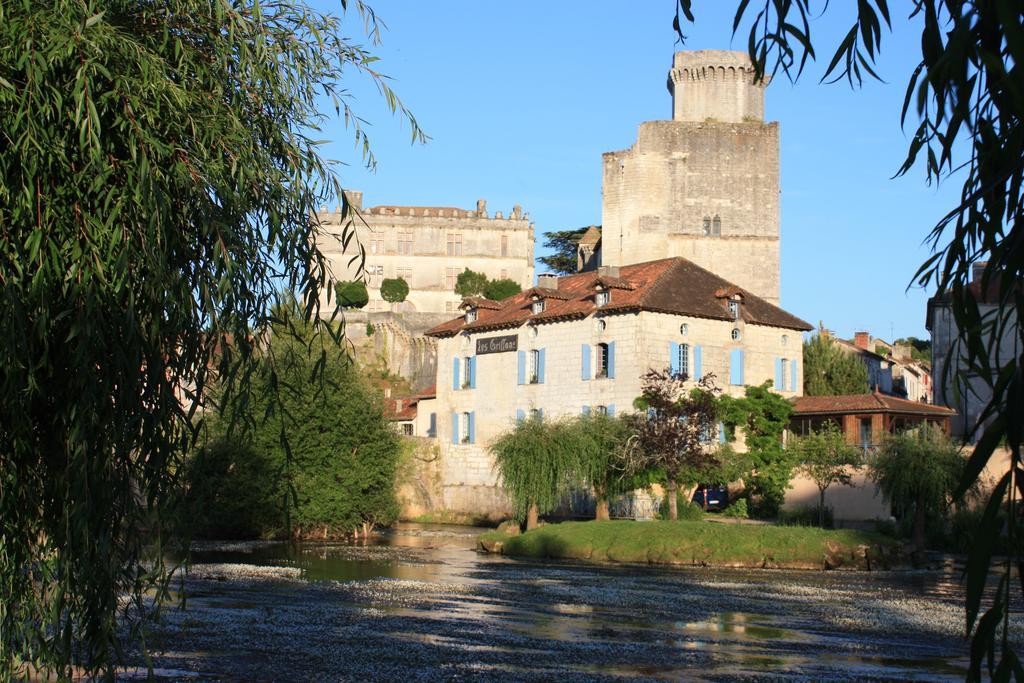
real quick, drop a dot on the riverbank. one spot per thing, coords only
(698, 543)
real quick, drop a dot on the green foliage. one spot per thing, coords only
(369, 330)
(562, 243)
(337, 474)
(920, 349)
(918, 468)
(687, 542)
(394, 290)
(599, 443)
(497, 290)
(807, 515)
(470, 283)
(352, 294)
(686, 510)
(830, 372)
(536, 467)
(157, 180)
(763, 415)
(738, 510)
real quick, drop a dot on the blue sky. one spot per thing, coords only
(520, 100)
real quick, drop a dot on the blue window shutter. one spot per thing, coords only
(736, 366)
(520, 415)
(792, 365)
(586, 361)
(472, 427)
(586, 410)
(455, 428)
(522, 367)
(455, 373)
(673, 357)
(611, 409)
(780, 381)
(721, 432)
(540, 367)
(611, 360)
(698, 372)
(472, 372)
(742, 373)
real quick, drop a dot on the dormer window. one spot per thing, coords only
(538, 306)
(734, 309)
(603, 298)
(470, 315)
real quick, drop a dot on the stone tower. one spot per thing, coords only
(705, 185)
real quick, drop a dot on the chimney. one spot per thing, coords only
(354, 199)
(547, 281)
(608, 271)
(977, 268)
(481, 208)
(862, 340)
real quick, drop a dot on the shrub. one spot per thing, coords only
(806, 515)
(394, 290)
(687, 510)
(496, 290)
(369, 330)
(470, 283)
(351, 294)
(738, 509)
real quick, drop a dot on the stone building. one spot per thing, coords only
(581, 343)
(428, 246)
(953, 383)
(705, 185)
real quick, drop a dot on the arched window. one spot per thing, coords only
(716, 226)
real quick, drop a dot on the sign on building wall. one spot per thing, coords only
(497, 344)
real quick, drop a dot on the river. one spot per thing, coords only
(419, 604)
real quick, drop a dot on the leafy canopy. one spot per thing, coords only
(830, 372)
(562, 243)
(536, 466)
(394, 290)
(352, 294)
(158, 174)
(498, 290)
(470, 283)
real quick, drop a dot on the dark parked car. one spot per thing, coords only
(717, 497)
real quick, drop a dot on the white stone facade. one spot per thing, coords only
(428, 247)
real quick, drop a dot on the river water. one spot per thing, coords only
(420, 604)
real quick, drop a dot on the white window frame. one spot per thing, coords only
(534, 369)
(734, 309)
(464, 428)
(603, 298)
(601, 365)
(537, 306)
(684, 359)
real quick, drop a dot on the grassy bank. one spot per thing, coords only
(699, 543)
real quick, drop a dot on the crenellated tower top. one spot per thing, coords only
(716, 85)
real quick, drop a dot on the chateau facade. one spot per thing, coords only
(705, 185)
(582, 343)
(428, 246)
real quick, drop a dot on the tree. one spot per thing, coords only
(674, 429)
(964, 96)
(600, 444)
(159, 171)
(394, 290)
(825, 458)
(536, 467)
(497, 290)
(763, 415)
(830, 372)
(918, 469)
(352, 294)
(470, 283)
(920, 349)
(562, 244)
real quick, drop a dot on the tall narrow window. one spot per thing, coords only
(707, 225)
(405, 243)
(716, 226)
(454, 244)
(467, 365)
(684, 360)
(450, 278)
(602, 360)
(504, 245)
(466, 423)
(785, 374)
(535, 366)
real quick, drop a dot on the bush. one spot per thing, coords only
(737, 510)
(369, 330)
(351, 294)
(470, 283)
(394, 290)
(496, 290)
(806, 515)
(687, 509)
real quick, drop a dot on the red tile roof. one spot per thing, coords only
(865, 403)
(672, 285)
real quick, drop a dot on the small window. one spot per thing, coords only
(465, 428)
(734, 309)
(538, 306)
(471, 316)
(535, 414)
(716, 227)
(504, 245)
(534, 366)
(602, 360)
(603, 298)
(684, 329)
(407, 429)
(467, 374)
(601, 325)
(684, 360)
(735, 334)
(601, 410)
(707, 225)
(532, 332)
(785, 339)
